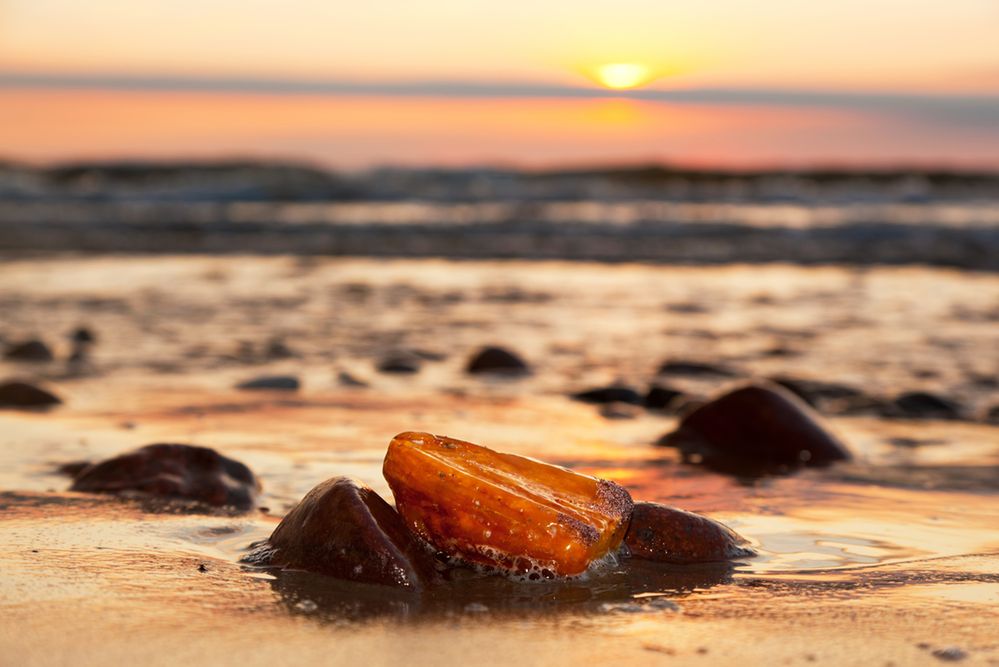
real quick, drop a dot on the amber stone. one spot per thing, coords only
(669, 535)
(504, 511)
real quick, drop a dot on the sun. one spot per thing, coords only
(622, 76)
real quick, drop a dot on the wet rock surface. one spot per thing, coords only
(17, 394)
(271, 382)
(173, 472)
(344, 529)
(496, 360)
(670, 535)
(755, 426)
(29, 350)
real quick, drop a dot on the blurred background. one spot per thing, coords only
(191, 126)
(718, 84)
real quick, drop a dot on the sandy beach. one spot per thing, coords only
(888, 559)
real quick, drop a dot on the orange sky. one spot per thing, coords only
(842, 49)
(364, 131)
(882, 44)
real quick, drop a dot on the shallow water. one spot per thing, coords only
(859, 563)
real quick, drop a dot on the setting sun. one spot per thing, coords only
(621, 76)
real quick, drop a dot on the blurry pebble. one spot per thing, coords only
(17, 394)
(496, 360)
(277, 382)
(29, 350)
(950, 654)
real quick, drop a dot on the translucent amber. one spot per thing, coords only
(503, 510)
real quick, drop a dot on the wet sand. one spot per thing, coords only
(883, 560)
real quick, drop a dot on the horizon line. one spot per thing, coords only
(766, 96)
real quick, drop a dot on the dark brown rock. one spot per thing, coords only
(924, 405)
(670, 535)
(169, 471)
(611, 394)
(29, 350)
(271, 382)
(496, 360)
(662, 398)
(756, 425)
(16, 394)
(344, 529)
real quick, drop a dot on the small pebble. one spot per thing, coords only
(950, 654)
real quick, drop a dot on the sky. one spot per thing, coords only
(716, 82)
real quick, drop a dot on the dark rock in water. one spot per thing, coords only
(277, 382)
(400, 362)
(83, 335)
(168, 471)
(669, 535)
(348, 380)
(992, 415)
(344, 529)
(661, 398)
(16, 394)
(695, 369)
(496, 360)
(619, 410)
(923, 405)
(29, 350)
(757, 425)
(612, 394)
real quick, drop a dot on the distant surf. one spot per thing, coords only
(647, 214)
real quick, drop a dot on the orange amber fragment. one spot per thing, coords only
(503, 510)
